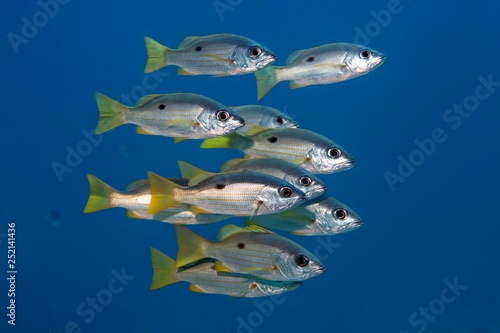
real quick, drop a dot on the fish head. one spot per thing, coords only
(361, 59)
(308, 183)
(251, 56)
(333, 217)
(219, 121)
(279, 197)
(329, 157)
(277, 119)
(298, 264)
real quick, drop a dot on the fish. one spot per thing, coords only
(263, 116)
(204, 278)
(299, 177)
(252, 250)
(217, 55)
(136, 199)
(178, 115)
(324, 215)
(238, 193)
(308, 149)
(323, 64)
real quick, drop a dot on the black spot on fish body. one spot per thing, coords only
(220, 186)
(197, 49)
(272, 139)
(310, 59)
(241, 246)
(161, 106)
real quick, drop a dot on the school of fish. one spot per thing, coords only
(275, 186)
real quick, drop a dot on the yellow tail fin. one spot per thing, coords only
(191, 246)
(266, 79)
(161, 193)
(164, 270)
(194, 174)
(99, 195)
(156, 55)
(110, 113)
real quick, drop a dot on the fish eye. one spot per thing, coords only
(301, 260)
(365, 54)
(334, 152)
(223, 115)
(305, 181)
(280, 120)
(286, 191)
(340, 214)
(255, 51)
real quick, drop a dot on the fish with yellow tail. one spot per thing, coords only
(178, 115)
(136, 199)
(217, 55)
(310, 150)
(251, 250)
(237, 193)
(203, 278)
(324, 64)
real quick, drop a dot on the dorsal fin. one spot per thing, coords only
(227, 231)
(292, 56)
(194, 174)
(188, 40)
(146, 99)
(137, 183)
(231, 164)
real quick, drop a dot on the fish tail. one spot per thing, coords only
(231, 164)
(110, 113)
(266, 79)
(161, 193)
(232, 140)
(99, 195)
(164, 270)
(191, 246)
(156, 55)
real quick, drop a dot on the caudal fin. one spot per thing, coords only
(161, 193)
(164, 270)
(266, 79)
(110, 113)
(156, 55)
(99, 195)
(191, 246)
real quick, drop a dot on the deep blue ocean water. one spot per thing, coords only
(427, 256)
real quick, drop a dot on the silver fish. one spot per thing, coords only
(205, 279)
(179, 115)
(136, 200)
(263, 116)
(238, 193)
(218, 55)
(324, 64)
(324, 215)
(299, 177)
(252, 250)
(312, 151)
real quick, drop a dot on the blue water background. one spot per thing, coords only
(441, 223)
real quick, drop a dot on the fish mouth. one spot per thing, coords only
(345, 166)
(316, 191)
(319, 270)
